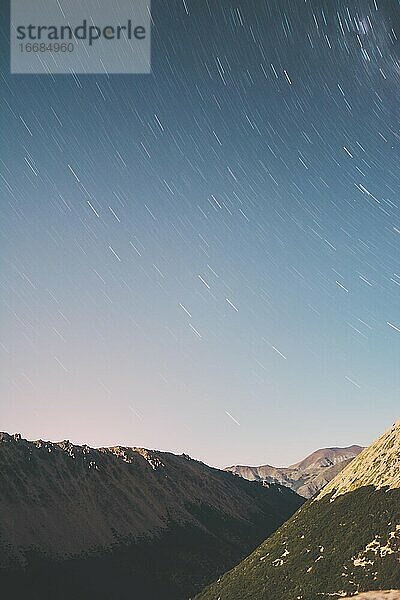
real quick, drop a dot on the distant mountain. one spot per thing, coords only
(306, 477)
(344, 541)
(84, 523)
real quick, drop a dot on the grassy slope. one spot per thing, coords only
(313, 555)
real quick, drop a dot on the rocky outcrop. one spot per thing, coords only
(385, 595)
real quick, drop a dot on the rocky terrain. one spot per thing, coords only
(306, 477)
(386, 595)
(377, 466)
(344, 541)
(78, 522)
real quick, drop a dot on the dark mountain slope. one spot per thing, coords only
(345, 541)
(76, 522)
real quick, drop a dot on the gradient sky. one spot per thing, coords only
(206, 259)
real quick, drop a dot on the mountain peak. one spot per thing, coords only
(378, 466)
(306, 477)
(325, 457)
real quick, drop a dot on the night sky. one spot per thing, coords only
(206, 259)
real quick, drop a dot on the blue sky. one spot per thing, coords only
(205, 259)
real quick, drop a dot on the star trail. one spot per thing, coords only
(206, 259)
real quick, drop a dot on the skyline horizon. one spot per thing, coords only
(96, 446)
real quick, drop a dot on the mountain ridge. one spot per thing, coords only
(110, 520)
(306, 477)
(370, 466)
